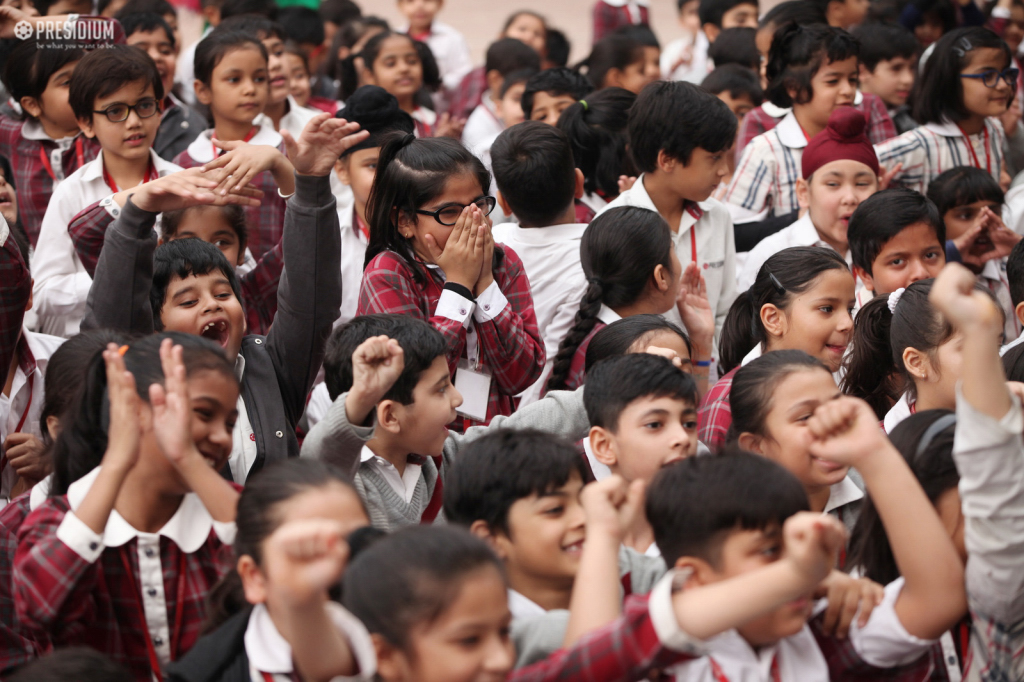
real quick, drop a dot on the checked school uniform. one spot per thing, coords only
(610, 15)
(764, 183)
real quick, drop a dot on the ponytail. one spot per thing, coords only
(596, 128)
(737, 333)
(583, 324)
(870, 366)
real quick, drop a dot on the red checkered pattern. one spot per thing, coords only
(469, 94)
(846, 665)
(578, 368)
(715, 414)
(15, 291)
(608, 18)
(15, 648)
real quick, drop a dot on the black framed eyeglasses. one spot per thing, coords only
(117, 113)
(449, 215)
(990, 77)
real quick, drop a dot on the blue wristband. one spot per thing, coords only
(703, 363)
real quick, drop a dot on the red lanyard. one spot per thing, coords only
(693, 242)
(150, 176)
(974, 155)
(360, 224)
(913, 407)
(269, 677)
(217, 152)
(719, 675)
(154, 662)
(45, 158)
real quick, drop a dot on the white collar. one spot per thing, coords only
(992, 270)
(94, 169)
(201, 149)
(799, 656)
(623, 3)
(607, 315)
(239, 367)
(843, 493)
(40, 491)
(804, 232)
(42, 347)
(754, 354)
(522, 606)
(32, 129)
(945, 129)
(897, 413)
(544, 236)
(189, 528)
(790, 133)
(594, 201)
(366, 454)
(772, 110)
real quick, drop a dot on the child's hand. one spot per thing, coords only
(975, 246)
(463, 253)
(303, 559)
(376, 365)
(1003, 238)
(811, 543)
(626, 182)
(846, 597)
(29, 457)
(11, 16)
(695, 309)
(487, 260)
(322, 142)
(886, 176)
(449, 127)
(845, 431)
(172, 410)
(242, 163)
(190, 187)
(123, 433)
(1011, 117)
(612, 506)
(666, 353)
(953, 294)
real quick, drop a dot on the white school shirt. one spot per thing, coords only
(189, 529)
(767, 171)
(243, 438)
(403, 484)
(1011, 345)
(24, 395)
(201, 150)
(295, 119)
(897, 413)
(699, 67)
(450, 51)
(353, 256)
(993, 277)
(632, 8)
(522, 606)
(269, 652)
(712, 230)
(551, 258)
(319, 403)
(595, 202)
(933, 148)
(424, 116)
(482, 124)
(61, 281)
(800, 233)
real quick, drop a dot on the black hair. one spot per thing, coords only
(882, 216)
(30, 66)
(291, 47)
(614, 384)
(509, 54)
(146, 22)
(65, 372)
(515, 15)
(107, 70)
(349, 77)
(420, 342)
(712, 11)
(518, 77)
(214, 47)
(1015, 273)
(339, 12)
(534, 169)
(302, 24)
(431, 71)
(256, 25)
(619, 251)
(83, 438)
(555, 82)
(376, 111)
(622, 335)
(161, 8)
(233, 214)
(736, 46)
(558, 47)
(677, 117)
(939, 91)
(597, 132)
(79, 663)
(932, 465)
(505, 466)
(797, 53)
(796, 270)
(183, 258)
(884, 42)
(411, 577)
(347, 36)
(961, 186)
(232, 8)
(264, 492)
(695, 504)
(754, 384)
(410, 173)
(737, 80)
(802, 12)
(610, 52)
(641, 33)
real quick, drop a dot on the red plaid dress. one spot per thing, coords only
(715, 414)
(15, 648)
(510, 345)
(15, 291)
(469, 94)
(607, 18)
(578, 368)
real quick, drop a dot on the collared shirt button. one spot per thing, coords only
(151, 592)
(150, 552)
(279, 434)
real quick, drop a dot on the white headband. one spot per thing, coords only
(894, 299)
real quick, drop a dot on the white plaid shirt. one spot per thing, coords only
(765, 179)
(928, 151)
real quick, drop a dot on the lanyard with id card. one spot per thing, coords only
(474, 383)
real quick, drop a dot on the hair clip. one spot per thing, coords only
(776, 284)
(585, 105)
(962, 47)
(894, 299)
(122, 350)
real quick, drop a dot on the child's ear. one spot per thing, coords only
(391, 662)
(579, 184)
(53, 426)
(1019, 312)
(406, 224)
(31, 106)
(803, 193)
(387, 416)
(666, 163)
(505, 208)
(862, 274)
(711, 31)
(918, 364)
(203, 93)
(254, 584)
(773, 319)
(497, 541)
(602, 444)
(701, 572)
(341, 170)
(613, 78)
(750, 443)
(85, 125)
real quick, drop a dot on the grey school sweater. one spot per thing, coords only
(338, 442)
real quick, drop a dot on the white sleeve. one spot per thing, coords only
(61, 283)
(884, 642)
(358, 640)
(74, 533)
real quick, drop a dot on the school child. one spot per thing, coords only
(801, 299)
(630, 269)
(432, 255)
(551, 92)
(446, 43)
(153, 475)
(179, 123)
(9, 201)
(1015, 279)
(896, 237)
(305, 29)
(296, 69)
(642, 333)
(597, 132)
(612, 15)
(740, 89)
(231, 79)
(390, 372)
(116, 99)
(813, 70)
(619, 61)
(525, 26)
(959, 129)
(289, 502)
(279, 369)
(839, 170)
(686, 58)
(346, 47)
(845, 14)
(503, 57)
(679, 137)
(736, 46)
(888, 67)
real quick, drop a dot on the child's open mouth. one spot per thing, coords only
(216, 331)
(136, 140)
(575, 548)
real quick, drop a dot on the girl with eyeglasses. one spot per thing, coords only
(431, 255)
(968, 82)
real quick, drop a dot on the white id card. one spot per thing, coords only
(475, 387)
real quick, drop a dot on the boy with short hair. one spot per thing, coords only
(739, 87)
(447, 44)
(845, 14)
(116, 99)
(551, 92)
(503, 58)
(888, 66)
(719, 15)
(686, 58)
(679, 136)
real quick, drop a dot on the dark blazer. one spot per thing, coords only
(180, 125)
(217, 657)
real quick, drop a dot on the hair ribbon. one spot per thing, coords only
(585, 105)
(894, 299)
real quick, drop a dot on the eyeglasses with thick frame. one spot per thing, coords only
(449, 215)
(990, 77)
(116, 113)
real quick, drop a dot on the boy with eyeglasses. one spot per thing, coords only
(116, 99)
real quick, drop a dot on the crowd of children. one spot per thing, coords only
(333, 355)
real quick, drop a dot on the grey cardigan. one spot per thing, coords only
(280, 368)
(180, 125)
